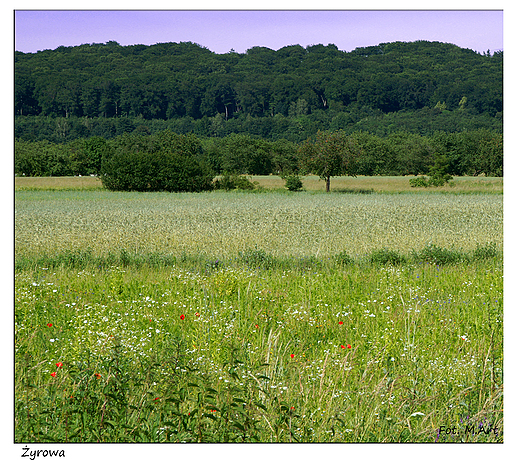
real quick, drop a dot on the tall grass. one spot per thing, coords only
(361, 354)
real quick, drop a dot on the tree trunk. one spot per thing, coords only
(327, 184)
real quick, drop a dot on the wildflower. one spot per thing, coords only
(58, 365)
(349, 346)
(257, 326)
(292, 356)
(53, 374)
(340, 323)
(155, 399)
(49, 324)
(342, 346)
(197, 314)
(98, 376)
(182, 317)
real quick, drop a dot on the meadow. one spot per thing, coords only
(259, 316)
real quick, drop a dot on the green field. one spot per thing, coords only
(258, 316)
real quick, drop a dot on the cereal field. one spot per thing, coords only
(220, 224)
(258, 317)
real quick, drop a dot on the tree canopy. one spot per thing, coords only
(393, 108)
(176, 80)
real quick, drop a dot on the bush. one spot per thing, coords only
(438, 256)
(232, 181)
(344, 259)
(438, 174)
(386, 256)
(167, 162)
(257, 258)
(489, 251)
(420, 181)
(293, 183)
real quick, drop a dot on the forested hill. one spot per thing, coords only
(417, 86)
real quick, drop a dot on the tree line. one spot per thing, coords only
(291, 92)
(295, 129)
(149, 157)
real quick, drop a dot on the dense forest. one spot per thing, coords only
(108, 89)
(404, 103)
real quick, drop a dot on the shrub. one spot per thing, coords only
(257, 258)
(386, 256)
(438, 175)
(167, 162)
(293, 183)
(438, 256)
(344, 259)
(488, 251)
(232, 181)
(420, 181)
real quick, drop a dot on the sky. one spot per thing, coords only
(220, 31)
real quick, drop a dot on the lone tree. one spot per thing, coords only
(329, 154)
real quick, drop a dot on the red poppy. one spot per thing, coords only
(53, 374)
(49, 324)
(256, 325)
(292, 407)
(182, 316)
(98, 376)
(342, 346)
(341, 322)
(349, 346)
(59, 365)
(292, 356)
(197, 314)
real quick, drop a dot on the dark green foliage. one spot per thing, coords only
(435, 255)
(330, 154)
(420, 181)
(488, 251)
(293, 183)
(438, 174)
(42, 158)
(166, 162)
(257, 258)
(344, 259)
(243, 154)
(232, 181)
(440, 155)
(386, 256)
(292, 81)
(290, 93)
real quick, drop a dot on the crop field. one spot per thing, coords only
(270, 317)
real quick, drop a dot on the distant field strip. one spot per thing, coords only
(220, 223)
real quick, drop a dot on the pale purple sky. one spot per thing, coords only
(220, 31)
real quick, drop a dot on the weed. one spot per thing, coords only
(439, 256)
(386, 256)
